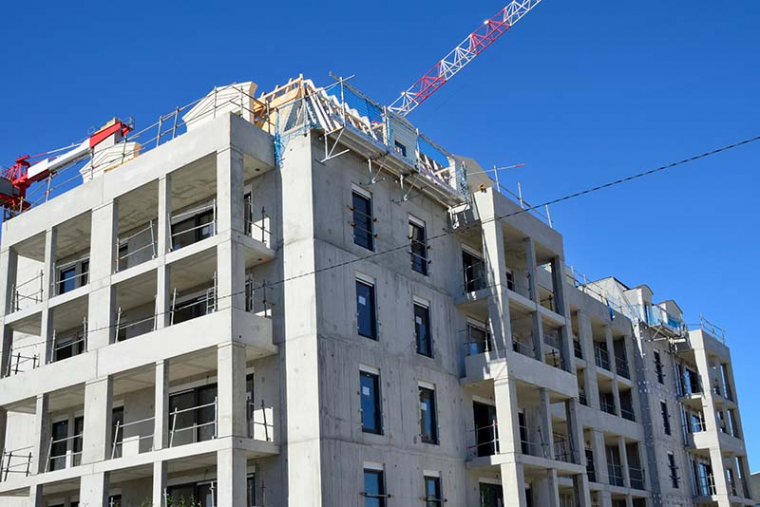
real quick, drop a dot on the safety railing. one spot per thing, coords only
(627, 412)
(637, 478)
(475, 277)
(486, 441)
(530, 447)
(16, 461)
(555, 358)
(126, 329)
(120, 438)
(523, 344)
(520, 286)
(259, 424)
(607, 405)
(199, 231)
(621, 367)
(564, 449)
(258, 229)
(479, 341)
(601, 356)
(194, 308)
(20, 363)
(552, 338)
(615, 474)
(257, 298)
(712, 329)
(174, 430)
(136, 248)
(29, 292)
(69, 344)
(68, 457)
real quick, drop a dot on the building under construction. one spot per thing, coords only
(296, 298)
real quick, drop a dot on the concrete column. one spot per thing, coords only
(49, 275)
(97, 420)
(93, 489)
(36, 496)
(605, 499)
(41, 440)
(161, 406)
(538, 332)
(100, 311)
(47, 331)
(493, 253)
(575, 431)
(231, 391)
(600, 456)
(3, 428)
(163, 239)
(624, 462)
(628, 501)
(547, 490)
(6, 347)
(230, 180)
(230, 273)
(581, 490)
(163, 294)
(513, 484)
(8, 270)
(508, 424)
(231, 477)
(563, 308)
(719, 474)
(159, 484)
(544, 414)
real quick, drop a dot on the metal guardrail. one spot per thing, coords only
(491, 442)
(173, 431)
(53, 460)
(601, 357)
(117, 442)
(35, 297)
(20, 363)
(16, 461)
(123, 261)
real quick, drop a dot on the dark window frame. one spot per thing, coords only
(665, 412)
(375, 399)
(418, 247)
(369, 330)
(436, 500)
(423, 337)
(429, 433)
(363, 220)
(375, 498)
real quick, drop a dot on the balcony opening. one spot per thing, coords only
(635, 470)
(601, 355)
(515, 257)
(65, 425)
(704, 480)
(590, 465)
(689, 382)
(193, 203)
(486, 430)
(614, 465)
(564, 447)
(29, 285)
(135, 306)
(626, 404)
(474, 271)
(606, 397)
(522, 332)
(478, 338)
(137, 231)
(257, 222)
(27, 346)
(70, 327)
(553, 350)
(621, 358)
(193, 283)
(71, 266)
(582, 396)
(132, 413)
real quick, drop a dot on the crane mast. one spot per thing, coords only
(460, 56)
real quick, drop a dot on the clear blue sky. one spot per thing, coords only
(582, 92)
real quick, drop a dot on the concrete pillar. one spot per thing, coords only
(230, 274)
(508, 424)
(563, 308)
(159, 483)
(605, 499)
(6, 348)
(36, 496)
(600, 456)
(513, 484)
(546, 490)
(493, 253)
(8, 270)
(231, 477)
(161, 406)
(628, 501)
(624, 462)
(3, 428)
(719, 474)
(230, 180)
(538, 333)
(49, 275)
(47, 332)
(582, 490)
(100, 311)
(163, 239)
(97, 420)
(544, 414)
(41, 442)
(93, 489)
(231, 391)
(163, 294)
(575, 431)
(299, 347)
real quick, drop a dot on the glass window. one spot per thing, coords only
(365, 310)
(433, 497)
(372, 418)
(362, 222)
(78, 441)
(422, 335)
(474, 278)
(59, 445)
(374, 488)
(491, 495)
(419, 249)
(658, 368)
(428, 416)
(117, 433)
(67, 280)
(673, 470)
(251, 490)
(665, 417)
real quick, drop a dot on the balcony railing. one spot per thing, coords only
(601, 356)
(486, 441)
(607, 405)
(621, 367)
(201, 431)
(563, 449)
(143, 431)
(615, 474)
(582, 398)
(68, 457)
(523, 345)
(20, 363)
(70, 343)
(636, 476)
(578, 349)
(136, 248)
(17, 462)
(626, 412)
(706, 485)
(194, 225)
(552, 338)
(29, 292)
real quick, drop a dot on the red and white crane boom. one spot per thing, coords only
(15, 181)
(464, 53)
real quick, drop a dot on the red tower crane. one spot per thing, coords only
(464, 53)
(15, 181)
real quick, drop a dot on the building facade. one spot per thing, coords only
(300, 300)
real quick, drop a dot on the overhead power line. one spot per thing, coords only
(448, 232)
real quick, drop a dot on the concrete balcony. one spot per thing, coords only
(222, 326)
